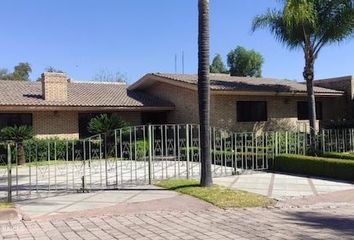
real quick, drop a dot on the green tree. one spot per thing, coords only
(218, 65)
(204, 92)
(18, 134)
(4, 74)
(245, 63)
(107, 76)
(53, 70)
(309, 25)
(21, 73)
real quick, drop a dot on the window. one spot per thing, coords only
(15, 119)
(153, 118)
(252, 111)
(303, 113)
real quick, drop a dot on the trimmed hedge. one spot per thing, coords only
(346, 156)
(315, 166)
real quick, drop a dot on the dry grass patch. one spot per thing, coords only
(4, 205)
(219, 196)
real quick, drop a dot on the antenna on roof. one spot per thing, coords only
(182, 62)
(176, 63)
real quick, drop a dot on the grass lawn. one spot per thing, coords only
(4, 205)
(219, 196)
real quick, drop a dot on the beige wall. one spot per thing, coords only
(66, 125)
(54, 86)
(185, 100)
(282, 111)
(343, 107)
(56, 124)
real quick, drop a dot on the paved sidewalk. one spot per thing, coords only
(282, 186)
(323, 216)
(194, 224)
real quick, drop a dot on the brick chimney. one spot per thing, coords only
(54, 86)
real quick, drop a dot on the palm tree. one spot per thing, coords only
(309, 25)
(204, 92)
(18, 134)
(105, 125)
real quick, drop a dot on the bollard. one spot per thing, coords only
(83, 184)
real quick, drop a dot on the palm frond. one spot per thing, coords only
(105, 124)
(274, 21)
(299, 13)
(17, 133)
(335, 21)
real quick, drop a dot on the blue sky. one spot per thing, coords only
(134, 37)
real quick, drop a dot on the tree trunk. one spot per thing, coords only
(20, 154)
(204, 92)
(309, 76)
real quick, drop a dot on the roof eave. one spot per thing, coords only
(152, 78)
(31, 108)
(268, 93)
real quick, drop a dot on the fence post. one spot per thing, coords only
(286, 142)
(187, 149)
(84, 168)
(323, 141)
(9, 174)
(276, 144)
(150, 154)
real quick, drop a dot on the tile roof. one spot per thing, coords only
(226, 82)
(21, 93)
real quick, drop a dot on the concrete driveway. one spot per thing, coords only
(56, 204)
(279, 186)
(282, 186)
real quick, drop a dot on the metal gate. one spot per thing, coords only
(135, 156)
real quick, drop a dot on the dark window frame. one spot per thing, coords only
(302, 110)
(84, 118)
(245, 114)
(15, 119)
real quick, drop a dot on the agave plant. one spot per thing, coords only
(18, 134)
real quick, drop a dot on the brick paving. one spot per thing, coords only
(278, 223)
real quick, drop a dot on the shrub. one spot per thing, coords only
(315, 166)
(142, 150)
(346, 156)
